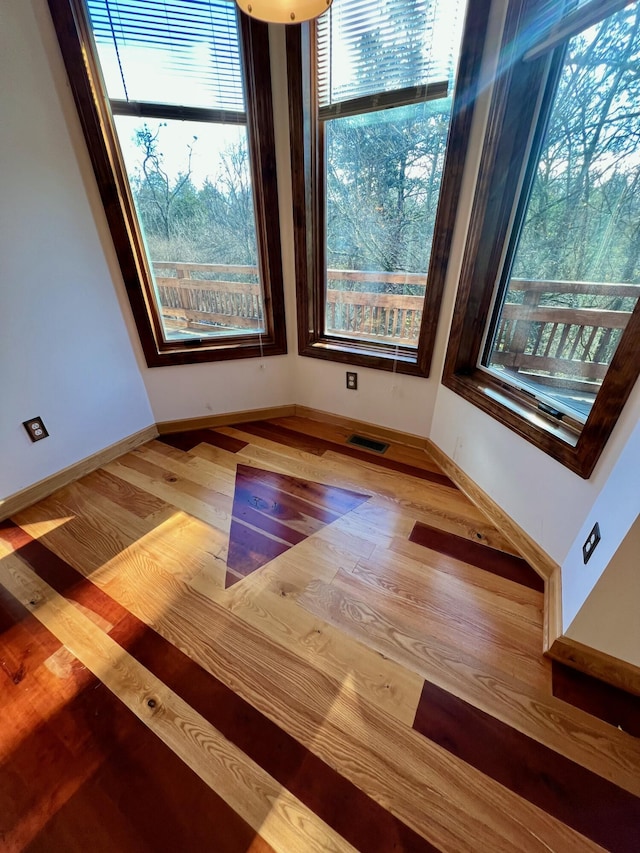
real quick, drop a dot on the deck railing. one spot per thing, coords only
(541, 332)
(547, 337)
(201, 297)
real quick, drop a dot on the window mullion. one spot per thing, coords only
(145, 109)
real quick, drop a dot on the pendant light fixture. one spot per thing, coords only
(284, 11)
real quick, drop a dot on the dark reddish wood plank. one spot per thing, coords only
(287, 437)
(318, 446)
(265, 522)
(332, 498)
(249, 550)
(253, 489)
(609, 703)
(593, 806)
(188, 440)
(144, 798)
(483, 556)
(268, 503)
(356, 817)
(80, 771)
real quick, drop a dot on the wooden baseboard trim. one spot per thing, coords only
(38, 491)
(367, 429)
(552, 626)
(526, 547)
(614, 671)
(209, 421)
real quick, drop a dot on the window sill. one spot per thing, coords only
(563, 443)
(199, 350)
(376, 357)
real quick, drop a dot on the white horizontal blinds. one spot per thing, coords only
(365, 50)
(170, 52)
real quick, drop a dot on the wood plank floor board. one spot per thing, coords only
(177, 489)
(129, 497)
(188, 440)
(505, 593)
(407, 640)
(217, 455)
(478, 554)
(87, 772)
(609, 703)
(110, 540)
(200, 471)
(390, 687)
(291, 695)
(593, 806)
(334, 439)
(334, 723)
(371, 827)
(428, 599)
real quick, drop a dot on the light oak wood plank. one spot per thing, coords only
(462, 585)
(273, 611)
(506, 594)
(216, 516)
(405, 634)
(220, 457)
(96, 545)
(432, 598)
(199, 470)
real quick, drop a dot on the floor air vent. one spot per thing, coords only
(367, 443)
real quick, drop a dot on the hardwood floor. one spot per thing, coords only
(262, 638)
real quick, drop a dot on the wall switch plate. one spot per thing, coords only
(352, 381)
(590, 543)
(36, 429)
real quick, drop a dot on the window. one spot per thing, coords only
(547, 324)
(175, 102)
(380, 111)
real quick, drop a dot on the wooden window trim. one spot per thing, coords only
(76, 44)
(512, 115)
(308, 208)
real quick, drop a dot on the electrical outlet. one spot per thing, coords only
(36, 429)
(352, 381)
(590, 543)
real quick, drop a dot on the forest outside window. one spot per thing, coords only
(558, 354)
(376, 184)
(175, 102)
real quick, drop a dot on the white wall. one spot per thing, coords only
(615, 509)
(608, 620)
(64, 350)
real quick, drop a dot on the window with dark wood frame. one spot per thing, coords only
(73, 29)
(521, 102)
(307, 162)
